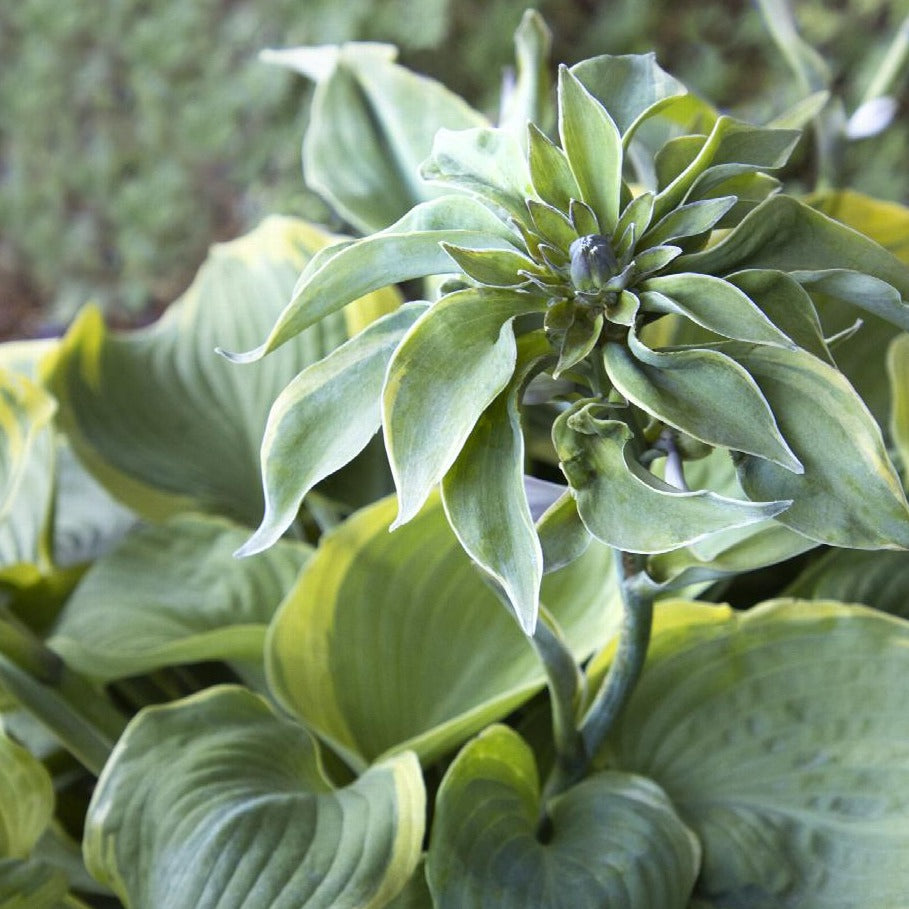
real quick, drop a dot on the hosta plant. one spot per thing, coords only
(480, 658)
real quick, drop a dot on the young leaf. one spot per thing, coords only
(593, 147)
(26, 799)
(485, 499)
(246, 814)
(615, 839)
(778, 735)
(550, 171)
(443, 375)
(427, 657)
(172, 594)
(323, 419)
(849, 494)
(687, 221)
(626, 507)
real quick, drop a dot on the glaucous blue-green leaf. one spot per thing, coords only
(371, 124)
(887, 223)
(449, 368)
(779, 735)
(553, 225)
(862, 291)
(173, 593)
(849, 494)
(633, 222)
(527, 99)
(713, 304)
(26, 477)
(394, 640)
(407, 249)
(898, 372)
(877, 578)
(627, 507)
(323, 419)
(593, 147)
(496, 267)
(485, 499)
(785, 234)
(562, 534)
(612, 840)
(688, 221)
(550, 171)
(484, 162)
(26, 799)
(801, 114)
(215, 800)
(702, 392)
(631, 87)
(34, 885)
(163, 422)
(674, 157)
(415, 894)
(787, 304)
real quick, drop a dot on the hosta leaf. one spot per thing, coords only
(529, 101)
(444, 374)
(26, 799)
(614, 839)
(629, 86)
(885, 222)
(593, 147)
(702, 392)
(625, 506)
(171, 594)
(785, 234)
(392, 641)
(323, 419)
(407, 249)
(898, 371)
(713, 304)
(371, 124)
(194, 441)
(878, 579)
(485, 498)
(849, 494)
(779, 735)
(245, 816)
(688, 221)
(787, 304)
(485, 162)
(34, 885)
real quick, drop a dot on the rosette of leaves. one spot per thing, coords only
(643, 259)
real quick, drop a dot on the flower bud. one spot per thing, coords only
(593, 262)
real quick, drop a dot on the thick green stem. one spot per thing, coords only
(85, 722)
(634, 637)
(564, 678)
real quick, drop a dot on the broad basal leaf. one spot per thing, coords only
(215, 800)
(174, 593)
(849, 494)
(613, 840)
(26, 799)
(779, 735)
(448, 369)
(323, 419)
(162, 421)
(392, 641)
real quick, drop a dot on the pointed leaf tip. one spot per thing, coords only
(249, 356)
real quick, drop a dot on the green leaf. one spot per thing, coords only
(371, 124)
(528, 99)
(408, 249)
(562, 534)
(856, 289)
(714, 304)
(633, 222)
(849, 494)
(394, 641)
(245, 814)
(33, 885)
(702, 392)
(878, 579)
(26, 799)
(174, 593)
(898, 372)
(785, 302)
(550, 171)
(614, 839)
(632, 87)
(675, 156)
(593, 147)
(193, 444)
(448, 369)
(485, 162)
(484, 496)
(625, 506)
(496, 267)
(687, 221)
(785, 234)
(323, 419)
(779, 735)
(884, 222)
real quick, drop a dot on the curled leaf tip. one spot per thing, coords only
(249, 356)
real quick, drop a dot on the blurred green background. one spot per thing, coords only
(134, 133)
